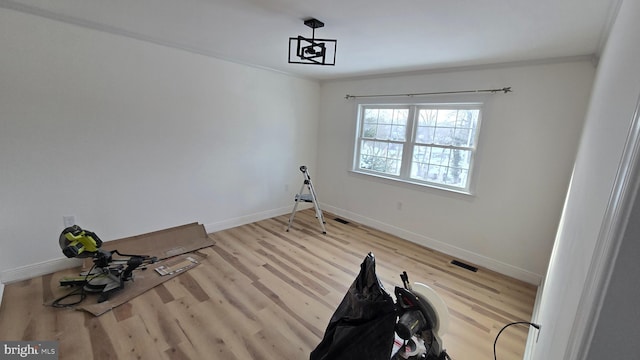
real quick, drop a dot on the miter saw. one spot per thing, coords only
(369, 325)
(423, 317)
(107, 274)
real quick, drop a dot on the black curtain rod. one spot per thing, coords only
(493, 91)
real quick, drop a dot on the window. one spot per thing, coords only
(427, 144)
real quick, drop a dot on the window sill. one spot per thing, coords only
(413, 183)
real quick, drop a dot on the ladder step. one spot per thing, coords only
(304, 197)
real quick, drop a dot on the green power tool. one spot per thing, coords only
(76, 242)
(108, 274)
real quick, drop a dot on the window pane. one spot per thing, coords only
(369, 131)
(379, 164)
(421, 154)
(447, 117)
(457, 177)
(381, 156)
(440, 156)
(462, 137)
(427, 117)
(386, 116)
(384, 131)
(424, 134)
(395, 151)
(461, 159)
(443, 136)
(401, 116)
(467, 118)
(398, 132)
(442, 166)
(420, 162)
(370, 115)
(385, 124)
(435, 172)
(376, 148)
(393, 167)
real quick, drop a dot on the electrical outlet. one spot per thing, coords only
(68, 220)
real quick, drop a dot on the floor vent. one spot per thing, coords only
(464, 266)
(341, 221)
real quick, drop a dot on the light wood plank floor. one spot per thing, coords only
(263, 293)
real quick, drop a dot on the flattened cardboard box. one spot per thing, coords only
(161, 244)
(170, 245)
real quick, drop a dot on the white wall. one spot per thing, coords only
(616, 92)
(132, 137)
(616, 331)
(527, 146)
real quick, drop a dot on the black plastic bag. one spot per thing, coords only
(362, 326)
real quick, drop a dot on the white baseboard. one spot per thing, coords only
(462, 254)
(248, 219)
(1, 292)
(39, 269)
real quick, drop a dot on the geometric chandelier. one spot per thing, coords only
(312, 51)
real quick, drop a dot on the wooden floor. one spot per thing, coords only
(263, 293)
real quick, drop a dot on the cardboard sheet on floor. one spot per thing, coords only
(170, 246)
(144, 280)
(161, 244)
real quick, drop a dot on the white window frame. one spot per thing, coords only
(410, 141)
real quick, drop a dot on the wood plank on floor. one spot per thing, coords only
(264, 293)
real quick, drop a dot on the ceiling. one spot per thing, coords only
(374, 36)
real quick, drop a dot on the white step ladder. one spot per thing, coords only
(310, 197)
